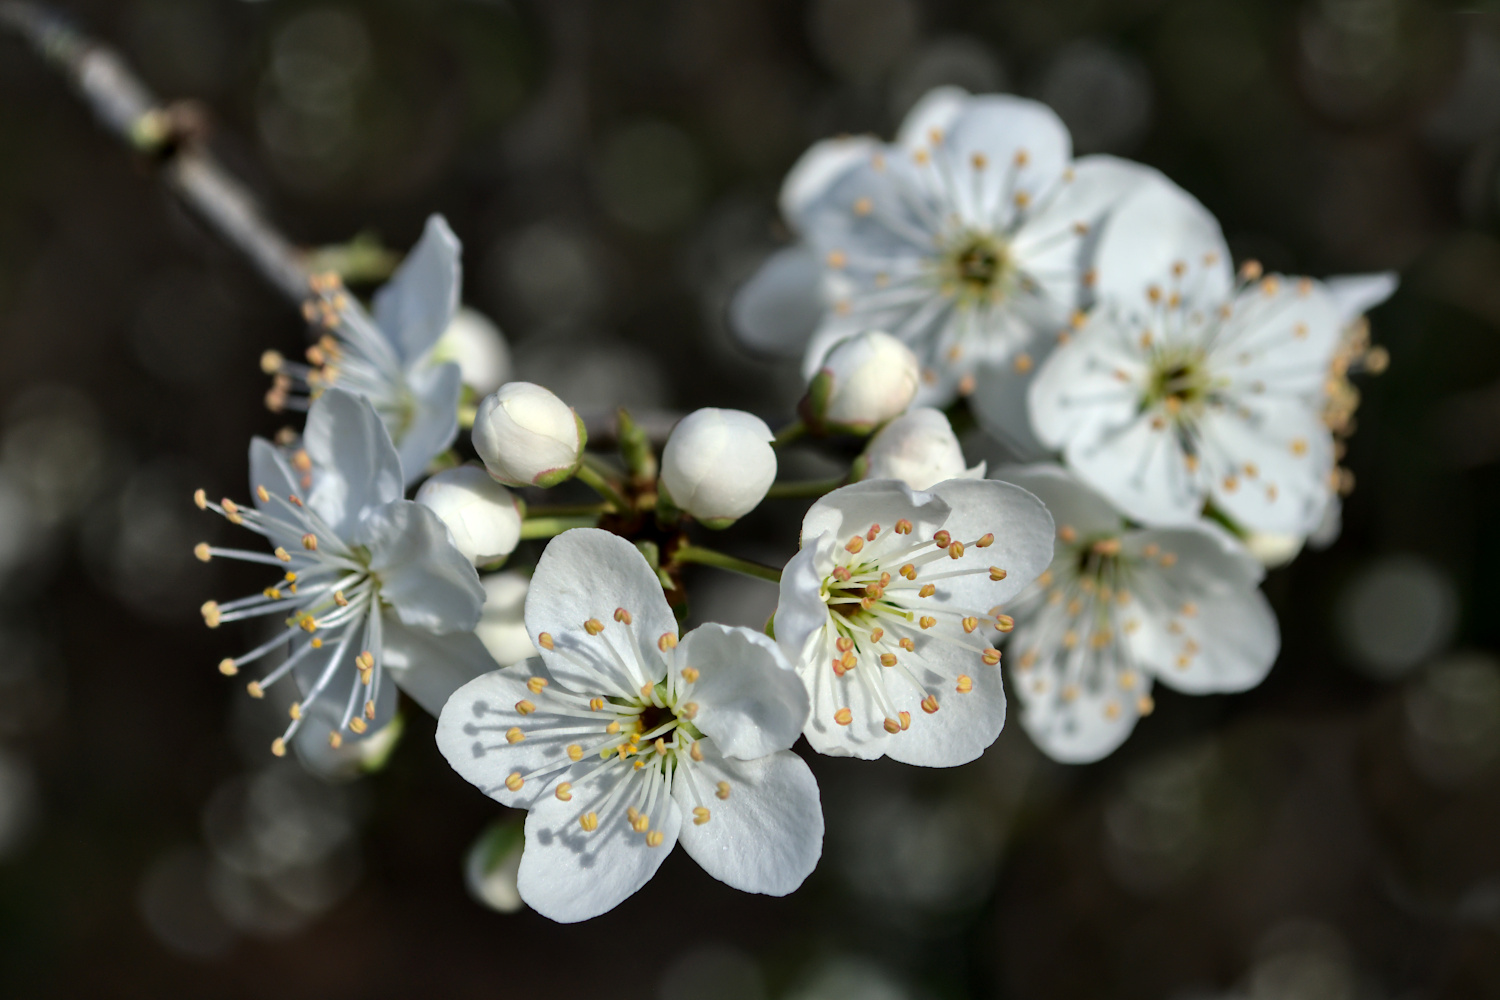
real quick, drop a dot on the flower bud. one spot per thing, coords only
(479, 349)
(483, 518)
(527, 436)
(864, 381)
(717, 465)
(919, 448)
(502, 627)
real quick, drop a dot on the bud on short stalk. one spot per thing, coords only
(919, 448)
(864, 381)
(483, 517)
(527, 436)
(479, 349)
(718, 465)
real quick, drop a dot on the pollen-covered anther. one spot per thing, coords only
(843, 716)
(294, 710)
(877, 634)
(575, 752)
(589, 821)
(514, 735)
(357, 725)
(593, 626)
(203, 552)
(278, 747)
(887, 659)
(907, 644)
(929, 704)
(647, 689)
(623, 616)
(942, 539)
(210, 612)
(536, 684)
(690, 674)
(842, 574)
(1168, 560)
(639, 821)
(970, 623)
(926, 621)
(514, 781)
(1107, 547)
(283, 555)
(1251, 270)
(848, 660)
(369, 710)
(892, 726)
(965, 684)
(909, 571)
(340, 599)
(997, 574)
(595, 704)
(991, 657)
(1067, 533)
(855, 544)
(525, 707)
(903, 527)
(564, 791)
(335, 739)
(843, 644)
(655, 838)
(613, 727)
(310, 542)
(365, 661)
(544, 640)
(200, 499)
(956, 550)
(264, 494)
(927, 590)
(667, 641)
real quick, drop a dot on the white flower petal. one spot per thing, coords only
(269, 468)
(357, 465)
(750, 703)
(767, 835)
(822, 165)
(585, 575)
(854, 508)
(1025, 146)
(1287, 446)
(800, 611)
(569, 874)
(1205, 627)
(1157, 227)
(417, 304)
(502, 624)
(1282, 336)
(433, 426)
(1070, 502)
(718, 464)
(919, 448)
(1356, 294)
(777, 310)
(965, 724)
(432, 667)
(428, 582)
(936, 109)
(1022, 545)
(474, 723)
(1085, 720)
(999, 400)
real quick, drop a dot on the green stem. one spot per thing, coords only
(591, 477)
(546, 527)
(789, 433)
(710, 557)
(567, 509)
(804, 489)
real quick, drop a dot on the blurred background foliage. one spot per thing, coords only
(612, 166)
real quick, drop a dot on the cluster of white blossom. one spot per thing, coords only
(1084, 309)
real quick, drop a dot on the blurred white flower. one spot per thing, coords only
(1186, 386)
(479, 349)
(881, 613)
(388, 359)
(919, 448)
(491, 866)
(1120, 608)
(483, 517)
(718, 464)
(865, 380)
(369, 585)
(501, 627)
(621, 741)
(526, 436)
(967, 238)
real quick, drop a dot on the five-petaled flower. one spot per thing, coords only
(388, 358)
(623, 740)
(369, 586)
(967, 238)
(1120, 607)
(888, 610)
(1186, 385)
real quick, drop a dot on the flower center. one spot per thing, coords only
(1178, 380)
(978, 268)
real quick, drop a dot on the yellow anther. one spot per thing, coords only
(909, 571)
(263, 494)
(575, 752)
(690, 674)
(564, 791)
(357, 725)
(696, 752)
(700, 815)
(369, 710)
(340, 599)
(887, 659)
(613, 727)
(593, 626)
(365, 661)
(640, 823)
(294, 710)
(863, 206)
(595, 704)
(1070, 692)
(310, 542)
(256, 691)
(1145, 705)
(525, 707)
(647, 689)
(927, 621)
(855, 544)
(848, 660)
(688, 710)
(228, 667)
(230, 507)
(843, 716)
(873, 533)
(514, 735)
(837, 259)
(970, 623)
(278, 747)
(661, 747)
(942, 539)
(843, 644)
(334, 739)
(667, 641)
(515, 781)
(905, 718)
(1069, 639)
(877, 634)
(903, 527)
(535, 684)
(965, 684)
(1112, 710)
(655, 838)
(956, 550)
(589, 821)
(210, 612)
(201, 499)
(283, 555)
(929, 704)
(308, 623)
(202, 551)
(722, 790)
(907, 644)
(1250, 270)
(544, 640)
(1067, 533)
(991, 657)
(927, 591)
(623, 616)
(1168, 560)
(271, 361)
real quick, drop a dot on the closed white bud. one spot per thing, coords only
(479, 349)
(527, 436)
(864, 381)
(482, 516)
(919, 448)
(1272, 549)
(502, 627)
(718, 464)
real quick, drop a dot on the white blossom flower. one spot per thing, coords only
(1123, 607)
(622, 741)
(967, 238)
(718, 464)
(388, 358)
(474, 343)
(1184, 386)
(889, 607)
(483, 517)
(369, 586)
(526, 436)
(919, 448)
(502, 625)
(864, 381)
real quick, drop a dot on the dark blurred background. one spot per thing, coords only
(612, 167)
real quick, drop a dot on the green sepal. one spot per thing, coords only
(770, 628)
(668, 514)
(552, 477)
(635, 448)
(717, 523)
